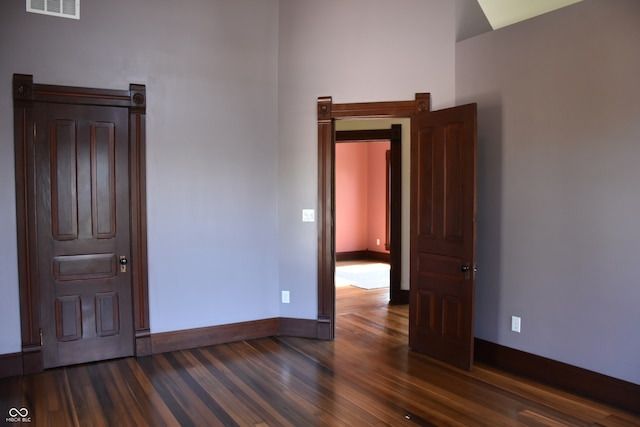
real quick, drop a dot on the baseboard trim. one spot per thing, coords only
(379, 256)
(351, 256)
(32, 359)
(576, 380)
(399, 297)
(202, 337)
(21, 363)
(143, 343)
(365, 255)
(10, 365)
(213, 335)
(303, 328)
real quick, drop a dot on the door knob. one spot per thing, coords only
(465, 269)
(123, 264)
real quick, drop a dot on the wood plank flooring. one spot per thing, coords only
(367, 376)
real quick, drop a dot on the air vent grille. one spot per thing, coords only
(62, 8)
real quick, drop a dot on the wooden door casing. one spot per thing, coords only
(328, 112)
(416, 109)
(443, 234)
(132, 104)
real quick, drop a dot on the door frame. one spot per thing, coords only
(25, 94)
(328, 112)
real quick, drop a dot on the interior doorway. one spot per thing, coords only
(328, 114)
(382, 151)
(443, 196)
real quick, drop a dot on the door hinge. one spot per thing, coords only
(35, 132)
(40, 337)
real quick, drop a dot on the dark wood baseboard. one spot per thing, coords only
(203, 337)
(399, 297)
(576, 380)
(143, 343)
(379, 256)
(365, 255)
(10, 365)
(325, 329)
(32, 359)
(351, 256)
(213, 335)
(304, 328)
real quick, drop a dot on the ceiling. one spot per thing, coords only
(501, 13)
(475, 17)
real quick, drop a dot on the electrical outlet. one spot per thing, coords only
(515, 324)
(285, 297)
(378, 242)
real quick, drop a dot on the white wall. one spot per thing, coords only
(559, 132)
(354, 51)
(211, 75)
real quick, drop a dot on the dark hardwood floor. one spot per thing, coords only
(367, 376)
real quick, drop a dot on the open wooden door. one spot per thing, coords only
(443, 234)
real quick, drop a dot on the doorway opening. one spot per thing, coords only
(328, 114)
(368, 188)
(442, 222)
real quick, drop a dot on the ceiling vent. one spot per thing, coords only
(62, 8)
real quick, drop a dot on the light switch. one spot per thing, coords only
(515, 323)
(308, 215)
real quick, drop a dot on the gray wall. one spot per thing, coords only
(559, 144)
(224, 78)
(354, 51)
(211, 73)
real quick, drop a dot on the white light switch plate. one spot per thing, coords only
(308, 215)
(515, 324)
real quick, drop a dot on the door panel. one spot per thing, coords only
(443, 232)
(82, 205)
(68, 318)
(63, 180)
(75, 267)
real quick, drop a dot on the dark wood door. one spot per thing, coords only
(443, 234)
(82, 209)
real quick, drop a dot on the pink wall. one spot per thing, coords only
(377, 195)
(351, 197)
(360, 196)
